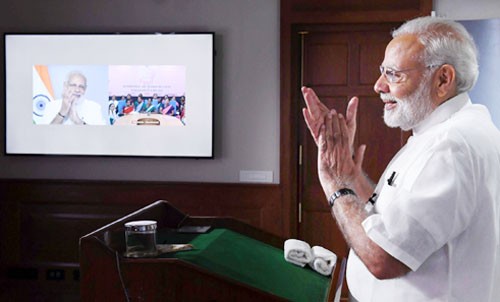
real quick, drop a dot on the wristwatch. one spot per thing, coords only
(337, 194)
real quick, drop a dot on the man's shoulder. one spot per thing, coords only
(474, 119)
(472, 128)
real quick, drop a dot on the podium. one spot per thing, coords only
(232, 261)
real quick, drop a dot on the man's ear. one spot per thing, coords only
(445, 77)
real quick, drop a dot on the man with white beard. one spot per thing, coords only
(429, 230)
(73, 108)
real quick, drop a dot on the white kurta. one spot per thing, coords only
(440, 214)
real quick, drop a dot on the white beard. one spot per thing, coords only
(410, 110)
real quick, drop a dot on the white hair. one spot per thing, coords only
(445, 42)
(75, 73)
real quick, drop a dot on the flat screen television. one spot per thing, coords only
(109, 94)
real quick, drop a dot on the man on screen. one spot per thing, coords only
(73, 108)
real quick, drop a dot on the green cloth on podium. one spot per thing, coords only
(251, 262)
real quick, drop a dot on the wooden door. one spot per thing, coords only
(339, 62)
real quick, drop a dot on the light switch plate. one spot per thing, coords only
(256, 176)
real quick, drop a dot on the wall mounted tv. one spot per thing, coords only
(109, 94)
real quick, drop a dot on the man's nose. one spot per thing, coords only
(381, 85)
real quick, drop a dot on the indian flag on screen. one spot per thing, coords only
(43, 94)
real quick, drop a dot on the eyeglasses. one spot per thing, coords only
(398, 76)
(72, 85)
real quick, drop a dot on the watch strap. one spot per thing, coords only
(339, 193)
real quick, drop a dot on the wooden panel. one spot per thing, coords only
(50, 232)
(259, 205)
(41, 222)
(346, 11)
(371, 54)
(332, 69)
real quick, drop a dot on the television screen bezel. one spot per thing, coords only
(176, 33)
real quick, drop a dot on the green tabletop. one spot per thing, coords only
(249, 261)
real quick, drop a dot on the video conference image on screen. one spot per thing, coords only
(153, 97)
(114, 95)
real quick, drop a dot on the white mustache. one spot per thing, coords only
(388, 97)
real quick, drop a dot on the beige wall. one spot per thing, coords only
(467, 9)
(246, 83)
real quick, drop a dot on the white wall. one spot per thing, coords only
(246, 83)
(467, 9)
(482, 20)
(487, 38)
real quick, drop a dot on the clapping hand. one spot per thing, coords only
(316, 112)
(334, 134)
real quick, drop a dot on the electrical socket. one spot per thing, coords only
(55, 274)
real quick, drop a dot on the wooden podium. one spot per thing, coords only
(199, 275)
